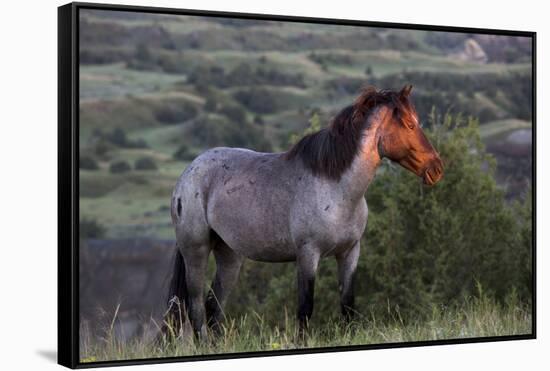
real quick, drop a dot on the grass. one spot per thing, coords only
(495, 128)
(474, 317)
(116, 81)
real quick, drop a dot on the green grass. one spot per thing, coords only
(116, 81)
(133, 202)
(474, 317)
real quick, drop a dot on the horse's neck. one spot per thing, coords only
(355, 181)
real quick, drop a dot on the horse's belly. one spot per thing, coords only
(258, 246)
(254, 233)
(270, 254)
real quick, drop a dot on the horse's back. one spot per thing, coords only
(242, 195)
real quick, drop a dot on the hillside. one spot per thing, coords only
(156, 90)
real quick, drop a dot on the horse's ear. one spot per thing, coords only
(406, 91)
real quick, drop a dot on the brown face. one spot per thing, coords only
(404, 142)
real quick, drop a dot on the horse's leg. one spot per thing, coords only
(307, 262)
(228, 265)
(347, 264)
(196, 259)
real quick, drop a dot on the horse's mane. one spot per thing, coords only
(330, 151)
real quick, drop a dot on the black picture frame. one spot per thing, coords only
(68, 181)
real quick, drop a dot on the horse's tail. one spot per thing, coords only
(175, 315)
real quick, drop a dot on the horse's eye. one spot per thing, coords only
(410, 125)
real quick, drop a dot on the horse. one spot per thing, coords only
(297, 206)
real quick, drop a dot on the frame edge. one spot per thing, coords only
(67, 316)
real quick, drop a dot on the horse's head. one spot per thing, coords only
(402, 140)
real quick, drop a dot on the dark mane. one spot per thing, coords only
(330, 151)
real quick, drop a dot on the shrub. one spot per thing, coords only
(145, 163)
(258, 120)
(87, 163)
(183, 153)
(119, 138)
(172, 64)
(258, 100)
(234, 113)
(120, 167)
(211, 131)
(90, 228)
(244, 75)
(175, 113)
(210, 105)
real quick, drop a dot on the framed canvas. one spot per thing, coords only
(243, 185)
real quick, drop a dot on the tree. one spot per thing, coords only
(175, 112)
(90, 228)
(233, 112)
(120, 167)
(143, 54)
(368, 71)
(210, 105)
(314, 126)
(258, 120)
(183, 153)
(145, 163)
(87, 163)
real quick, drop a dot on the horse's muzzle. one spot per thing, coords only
(434, 172)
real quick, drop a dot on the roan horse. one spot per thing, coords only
(301, 205)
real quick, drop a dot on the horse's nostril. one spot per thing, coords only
(438, 170)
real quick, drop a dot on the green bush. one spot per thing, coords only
(90, 228)
(244, 75)
(118, 138)
(258, 100)
(175, 113)
(119, 167)
(331, 58)
(235, 113)
(183, 153)
(170, 63)
(258, 120)
(88, 163)
(145, 163)
(211, 131)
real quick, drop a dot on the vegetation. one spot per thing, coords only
(476, 316)
(184, 153)
(176, 112)
(117, 137)
(215, 131)
(145, 163)
(120, 167)
(467, 94)
(90, 228)
(88, 163)
(244, 75)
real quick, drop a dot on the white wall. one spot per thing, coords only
(28, 181)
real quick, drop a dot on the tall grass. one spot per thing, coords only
(478, 316)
